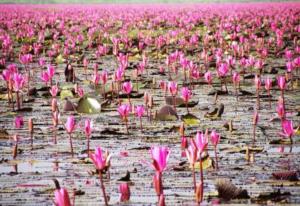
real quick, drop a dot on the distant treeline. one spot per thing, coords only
(126, 1)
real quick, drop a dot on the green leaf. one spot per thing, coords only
(190, 119)
(65, 93)
(88, 105)
(59, 59)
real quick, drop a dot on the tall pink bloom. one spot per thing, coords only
(54, 90)
(99, 160)
(6, 75)
(88, 132)
(62, 197)
(208, 77)
(201, 141)
(19, 122)
(51, 71)
(215, 138)
(45, 77)
(19, 81)
(223, 70)
(172, 88)
(124, 110)
(80, 91)
(87, 127)
(281, 82)
(139, 110)
(268, 84)
(160, 156)
(287, 128)
(70, 127)
(127, 87)
(186, 94)
(124, 192)
(70, 124)
(280, 110)
(236, 78)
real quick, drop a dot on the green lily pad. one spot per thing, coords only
(88, 105)
(59, 59)
(65, 93)
(190, 119)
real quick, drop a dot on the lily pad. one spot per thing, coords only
(190, 119)
(88, 105)
(166, 113)
(59, 59)
(66, 93)
(206, 164)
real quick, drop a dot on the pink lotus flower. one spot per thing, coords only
(6, 75)
(127, 87)
(100, 160)
(51, 71)
(104, 76)
(119, 74)
(80, 92)
(186, 94)
(87, 128)
(96, 78)
(281, 82)
(223, 70)
(124, 110)
(45, 77)
(124, 192)
(200, 142)
(257, 82)
(26, 58)
(172, 88)
(62, 197)
(268, 83)
(19, 81)
(160, 156)
(54, 90)
(236, 78)
(287, 128)
(192, 154)
(70, 124)
(139, 111)
(42, 62)
(19, 122)
(280, 110)
(208, 77)
(214, 137)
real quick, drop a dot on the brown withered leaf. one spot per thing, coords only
(229, 191)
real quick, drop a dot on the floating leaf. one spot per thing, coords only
(286, 175)
(190, 119)
(206, 164)
(88, 105)
(66, 93)
(170, 101)
(68, 106)
(59, 59)
(4, 134)
(228, 191)
(167, 113)
(280, 141)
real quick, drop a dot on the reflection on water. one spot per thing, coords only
(30, 166)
